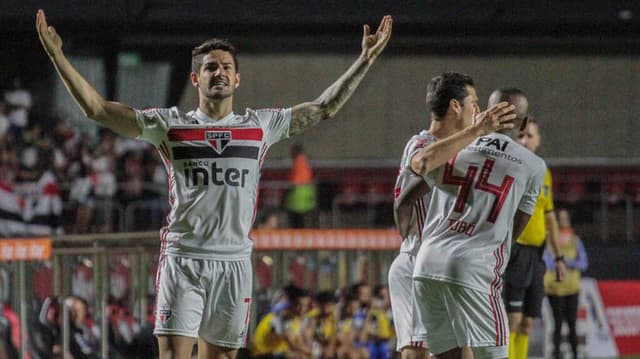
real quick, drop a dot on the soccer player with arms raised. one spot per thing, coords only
(213, 158)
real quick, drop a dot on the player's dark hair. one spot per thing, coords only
(444, 88)
(198, 53)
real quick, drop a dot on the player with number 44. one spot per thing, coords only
(483, 186)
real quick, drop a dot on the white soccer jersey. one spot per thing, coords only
(213, 169)
(411, 243)
(469, 224)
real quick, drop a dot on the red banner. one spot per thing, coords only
(621, 300)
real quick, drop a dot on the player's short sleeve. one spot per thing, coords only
(419, 142)
(275, 124)
(532, 191)
(153, 124)
(547, 187)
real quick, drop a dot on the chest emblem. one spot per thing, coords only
(218, 139)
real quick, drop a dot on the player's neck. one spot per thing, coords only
(444, 128)
(216, 110)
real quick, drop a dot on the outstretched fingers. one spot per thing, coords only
(385, 26)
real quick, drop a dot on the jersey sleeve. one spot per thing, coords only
(153, 124)
(275, 124)
(547, 187)
(415, 145)
(534, 186)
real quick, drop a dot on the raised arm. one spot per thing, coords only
(118, 117)
(498, 117)
(333, 98)
(403, 205)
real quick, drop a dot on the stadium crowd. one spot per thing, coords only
(56, 179)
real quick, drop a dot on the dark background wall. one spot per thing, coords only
(578, 60)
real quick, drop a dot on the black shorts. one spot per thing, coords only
(523, 281)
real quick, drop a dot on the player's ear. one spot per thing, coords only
(194, 79)
(237, 80)
(454, 105)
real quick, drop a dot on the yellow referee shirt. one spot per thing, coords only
(535, 232)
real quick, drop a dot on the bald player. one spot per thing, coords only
(213, 158)
(524, 286)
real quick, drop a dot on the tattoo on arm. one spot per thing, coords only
(332, 99)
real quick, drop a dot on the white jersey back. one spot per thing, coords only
(474, 197)
(213, 171)
(411, 243)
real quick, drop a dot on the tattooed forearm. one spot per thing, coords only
(332, 99)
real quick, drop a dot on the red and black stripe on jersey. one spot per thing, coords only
(218, 149)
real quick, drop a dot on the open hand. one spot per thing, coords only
(499, 117)
(373, 44)
(49, 38)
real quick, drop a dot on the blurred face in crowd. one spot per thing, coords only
(564, 221)
(530, 137)
(328, 308)
(305, 304)
(364, 294)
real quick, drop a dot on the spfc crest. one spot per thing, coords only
(218, 139)
(164, 313)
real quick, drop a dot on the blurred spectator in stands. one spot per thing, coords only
(4, 124)
(82, 283)
(124, 331)
(322, 323)
(9, 340)
(563, 296)
(38, 187)
(350, 323)
(12, 222)
(45, 337)
(82, 339)
(9, 164)
(131, 176)
(268, 218)
(301, 196)
(277, 334)
(376, 326)
(104, 180)
(19, 103)
(83, 198)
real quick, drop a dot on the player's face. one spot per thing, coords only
(530, 137)
(217, 78)
(469, 107)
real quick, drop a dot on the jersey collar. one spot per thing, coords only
(204, 119)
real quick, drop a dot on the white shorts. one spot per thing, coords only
(204, 298)
(401, 292)
(448, 316)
